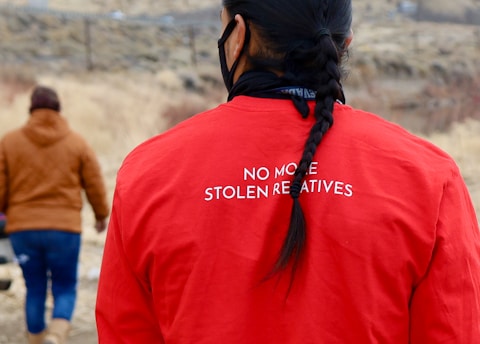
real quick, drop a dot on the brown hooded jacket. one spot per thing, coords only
(43, 168)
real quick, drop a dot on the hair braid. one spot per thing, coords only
(329, 90)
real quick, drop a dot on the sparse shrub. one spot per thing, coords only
(175, 114)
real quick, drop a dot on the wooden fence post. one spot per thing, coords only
(191, 35)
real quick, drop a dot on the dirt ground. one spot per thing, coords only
(12, 325)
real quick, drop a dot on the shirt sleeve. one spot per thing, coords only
(124, 309)
(94, 185)
(445, 306)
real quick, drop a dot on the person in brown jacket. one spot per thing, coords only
(44, 166)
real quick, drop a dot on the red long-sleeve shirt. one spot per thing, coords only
(200, 213)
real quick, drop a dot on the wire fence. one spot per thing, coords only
(113, 41)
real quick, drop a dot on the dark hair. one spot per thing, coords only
(306, 41)
(44, 98)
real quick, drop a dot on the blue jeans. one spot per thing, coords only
(47, 255)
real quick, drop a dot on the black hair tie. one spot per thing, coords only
(295, 190)
(322, 32)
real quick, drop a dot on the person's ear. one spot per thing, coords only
(349, 39)
(238, 36)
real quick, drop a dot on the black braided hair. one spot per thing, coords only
(327, 94)
(304, 40)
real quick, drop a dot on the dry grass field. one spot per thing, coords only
(117, 111)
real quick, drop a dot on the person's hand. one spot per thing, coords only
(101, 225)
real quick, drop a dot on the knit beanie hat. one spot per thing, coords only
(44, 98)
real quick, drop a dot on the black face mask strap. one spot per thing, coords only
(226, 74)
(227, 32)
(229, 74)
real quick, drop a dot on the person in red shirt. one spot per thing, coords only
(286, 216)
